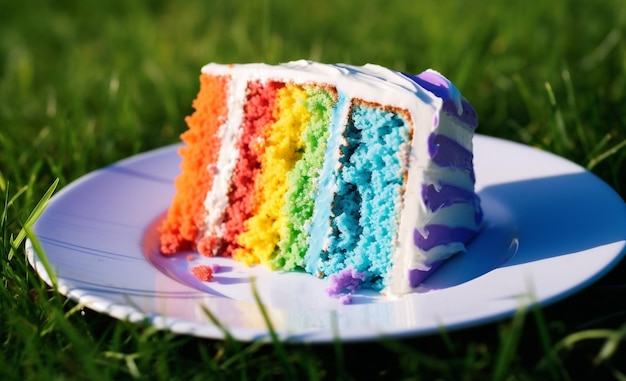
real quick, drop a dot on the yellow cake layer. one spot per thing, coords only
(282, 147)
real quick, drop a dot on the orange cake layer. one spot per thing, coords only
(179, 232)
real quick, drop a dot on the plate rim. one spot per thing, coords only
(208, 330)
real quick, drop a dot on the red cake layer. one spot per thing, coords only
(258, 113)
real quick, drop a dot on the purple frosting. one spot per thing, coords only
(448, 195)
(441, 235)
(447, 152)
(453, 102)
(416, 277)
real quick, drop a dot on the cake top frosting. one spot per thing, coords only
(371, 81)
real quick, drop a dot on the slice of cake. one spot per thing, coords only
(327, 168)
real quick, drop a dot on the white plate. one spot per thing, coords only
(551, 229)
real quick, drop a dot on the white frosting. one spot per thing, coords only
(217, 198)
(371, 83)
(375, 84)
(416, 215)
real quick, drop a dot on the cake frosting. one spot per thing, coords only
(329, 169)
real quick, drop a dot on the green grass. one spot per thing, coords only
(86, 83)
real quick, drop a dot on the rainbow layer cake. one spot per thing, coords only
(328, 169)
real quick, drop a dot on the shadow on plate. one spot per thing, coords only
(536, 219)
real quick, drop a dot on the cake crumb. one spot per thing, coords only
(346, 299)
(203, 273)
(344, 283)
(189, 258)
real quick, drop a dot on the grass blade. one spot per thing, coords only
(606, 154)
(227, 335)
(279, 347)
(39, 252)
(509, 338)
(30, 221)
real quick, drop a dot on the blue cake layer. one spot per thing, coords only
(320, 227)
(369, 189)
